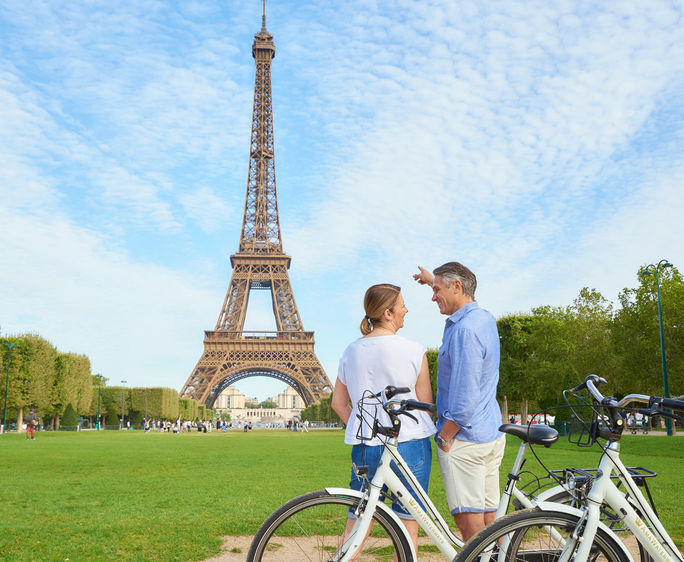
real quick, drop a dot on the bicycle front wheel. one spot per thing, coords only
(311, 527)
(531, 534)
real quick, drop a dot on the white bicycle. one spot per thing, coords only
(311, 526)
(527, 535)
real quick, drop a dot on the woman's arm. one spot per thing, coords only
(340, 401)
(423, 386)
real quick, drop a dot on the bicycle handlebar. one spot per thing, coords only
(395, 408)
(594, 380)
(656, 404)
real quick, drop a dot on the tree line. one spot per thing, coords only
(553, 348)
(61, 388)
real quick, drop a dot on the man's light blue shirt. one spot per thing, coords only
(468, 374)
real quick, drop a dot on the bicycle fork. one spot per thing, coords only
(364, 519)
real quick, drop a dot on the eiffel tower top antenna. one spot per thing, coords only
(263, 18)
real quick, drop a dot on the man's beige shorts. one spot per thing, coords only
(471, 475)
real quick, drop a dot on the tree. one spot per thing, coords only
(35, 365)
(71, 384)
(516, 351)
(636, 335)
(268, 404)
(69, 418)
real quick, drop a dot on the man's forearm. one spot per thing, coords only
(449, 430)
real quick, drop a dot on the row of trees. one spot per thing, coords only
(321, 411)
(43, 378)
(554, 348)
(61, 387)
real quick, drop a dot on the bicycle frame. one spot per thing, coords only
(644, 524)
(430, 519)
(436, 528)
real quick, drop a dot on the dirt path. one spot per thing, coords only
(235, 550)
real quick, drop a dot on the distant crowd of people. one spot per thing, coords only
(202, 426)
(207, 426)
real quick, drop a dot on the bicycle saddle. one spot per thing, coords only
(535, 434)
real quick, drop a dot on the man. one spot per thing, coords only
(31, 421)
(469, 445)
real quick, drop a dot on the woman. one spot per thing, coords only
(372, 362)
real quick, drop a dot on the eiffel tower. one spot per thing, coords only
(230, 353)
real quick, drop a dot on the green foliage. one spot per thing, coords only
(554, 348)
(45, 379)
(112, 418)
(115, 399)
(268, 404)
(34, 367)
(159, 403)
(188, 409)
(432, 355)
(71, 384)
(69, 417)
(636, 335)
(321, 411)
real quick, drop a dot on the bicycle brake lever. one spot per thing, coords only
(414, 418)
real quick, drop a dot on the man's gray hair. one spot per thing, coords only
(454, 271)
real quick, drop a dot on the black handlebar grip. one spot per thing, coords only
(593, 378)
(416, 405)
(671, 403)
(391, 391)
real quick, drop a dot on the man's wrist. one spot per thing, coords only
(443, 442)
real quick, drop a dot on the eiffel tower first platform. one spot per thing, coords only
(230, 353)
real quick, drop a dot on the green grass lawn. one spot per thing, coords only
(135, 496)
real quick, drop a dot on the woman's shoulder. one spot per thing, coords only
(407, 343)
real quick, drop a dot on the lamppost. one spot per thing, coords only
(99, 386)
(123, 396)
(10, 347)
(655, 270)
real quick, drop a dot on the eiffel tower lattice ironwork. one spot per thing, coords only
(230, 353)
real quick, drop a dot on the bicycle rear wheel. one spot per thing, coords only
(534, 535)
(310, 527)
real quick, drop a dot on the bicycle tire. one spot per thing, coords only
(309, 527)
(528, 538)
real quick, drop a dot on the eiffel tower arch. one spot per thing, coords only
(231, 353)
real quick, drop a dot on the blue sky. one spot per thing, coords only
(539, 143)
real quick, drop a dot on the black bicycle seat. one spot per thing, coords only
(535, 434)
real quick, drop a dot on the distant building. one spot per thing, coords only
(289, 399)
(232, 401)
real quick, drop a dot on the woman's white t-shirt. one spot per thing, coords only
(372, 364)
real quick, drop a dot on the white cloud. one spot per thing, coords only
(205, 207)
(67, 283)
